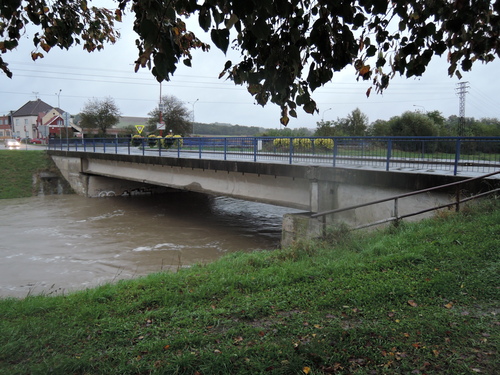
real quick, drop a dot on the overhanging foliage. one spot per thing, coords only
(288, 48)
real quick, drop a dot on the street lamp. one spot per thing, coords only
(58, 105)
(58, 101)
(323, 115)
(192, 126)
(421, 106)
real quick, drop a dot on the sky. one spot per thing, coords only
(69, 78)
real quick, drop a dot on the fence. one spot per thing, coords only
(453, 154)
(490, 189)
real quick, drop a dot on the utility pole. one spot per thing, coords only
(461, 91)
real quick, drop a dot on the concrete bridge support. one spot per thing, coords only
(309, 188)
(92, 186)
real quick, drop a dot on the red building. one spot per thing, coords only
(6, 127)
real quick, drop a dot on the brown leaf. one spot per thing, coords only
(449, 305)
(412, 303)
(237, 340)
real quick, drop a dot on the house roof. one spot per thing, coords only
(52, 120)
(33, 108)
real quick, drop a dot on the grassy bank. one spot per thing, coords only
(420, 299)
(18, 168)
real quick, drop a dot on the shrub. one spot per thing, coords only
(303, 143)
(136, 140)
(324, 143)
(172, 140)
(153, 140)
(281, 142)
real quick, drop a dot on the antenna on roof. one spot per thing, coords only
(36, 94)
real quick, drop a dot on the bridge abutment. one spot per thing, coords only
(93, 186)
(311, 189)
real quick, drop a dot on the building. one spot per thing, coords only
(37, 119)
(5, 126)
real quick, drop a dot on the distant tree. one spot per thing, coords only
(452, 126)
(175, 115)
(330, 128)
(412, 124)
(356, 123)
(324, 129)
(227, 129)
(379, 128)
(287, 132)
(439, 121)
(100, 114)
(491, 127)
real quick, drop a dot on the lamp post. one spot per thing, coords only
(421, 106)
(323, 115)
(58, 101)
(58, 108)
(160, 114)
(192, 125)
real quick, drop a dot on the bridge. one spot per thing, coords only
(312, 174)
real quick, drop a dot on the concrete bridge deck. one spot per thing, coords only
(307, 182)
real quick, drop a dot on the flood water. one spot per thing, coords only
(57, 244)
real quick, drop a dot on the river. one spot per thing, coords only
(61, 243)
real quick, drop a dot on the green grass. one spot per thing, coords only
(419, 299)
(17, 168)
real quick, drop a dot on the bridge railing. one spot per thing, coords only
(452, 154)
(489, 189)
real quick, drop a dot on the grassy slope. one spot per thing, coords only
(17, 169)
(422, 299)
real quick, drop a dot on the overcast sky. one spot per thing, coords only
(68, 79)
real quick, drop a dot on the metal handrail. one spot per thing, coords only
(456, 154)
(396, 218)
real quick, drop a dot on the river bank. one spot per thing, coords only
(420, 299)
(25, 173)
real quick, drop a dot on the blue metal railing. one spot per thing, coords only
(451, 154)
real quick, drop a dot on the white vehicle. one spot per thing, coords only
(12, 144)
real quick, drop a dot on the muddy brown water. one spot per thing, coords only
(58, 244)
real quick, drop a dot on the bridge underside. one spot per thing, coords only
(308, 188)
(93, 177)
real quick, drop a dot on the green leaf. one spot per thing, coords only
(220, 39)
(231, 21)
(284, 120)
(204, 19)
(310, 107)
(371, 51)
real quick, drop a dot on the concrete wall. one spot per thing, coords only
(309, 188)
(72, 169)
